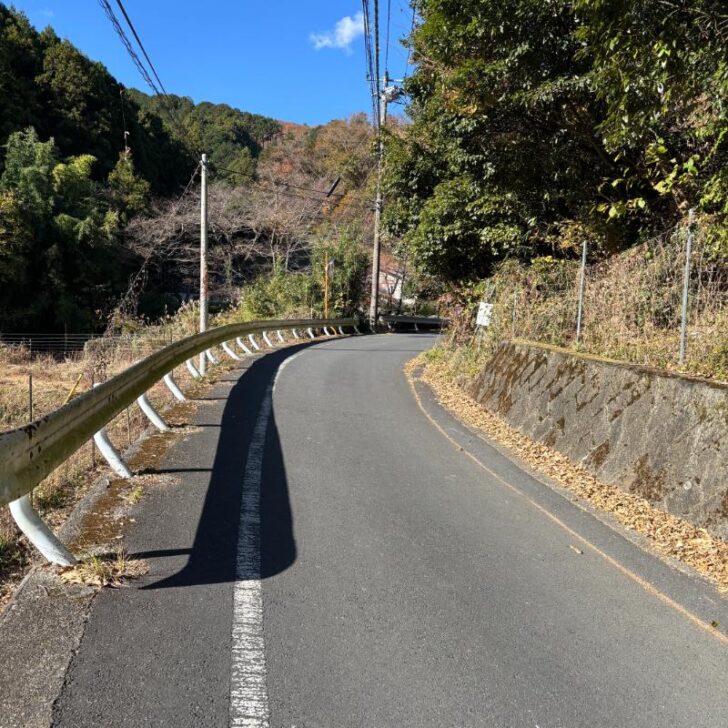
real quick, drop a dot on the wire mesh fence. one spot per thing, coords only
(633, 304)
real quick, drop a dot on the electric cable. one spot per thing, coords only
(170, 108)
(410, 49)
(158, 90)
(386, 46)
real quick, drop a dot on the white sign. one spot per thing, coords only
(485, 313)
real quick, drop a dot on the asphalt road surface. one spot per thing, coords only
(331, 559)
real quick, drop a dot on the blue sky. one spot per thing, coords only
(295, 61)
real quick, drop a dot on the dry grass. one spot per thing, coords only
(632, 306)
(53, 380)
(113, 570)
(669, 536)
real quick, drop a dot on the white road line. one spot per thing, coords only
(248, 690)
(283, 365)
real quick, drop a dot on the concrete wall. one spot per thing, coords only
(660, 435)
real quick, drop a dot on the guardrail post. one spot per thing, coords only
(252, 340)
(242, 346)
(38, 533)
(192, 369)
(174, 388)
(111, 454)
(326, 331)
(226, 348)
(356, 328)
(295, 334)
(211, 357)
(341, 331)
(280, 337)
(267, 340)
(152, 415)
(310, 333)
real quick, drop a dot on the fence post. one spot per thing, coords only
(580, 307)
(686, 287)
(30, 418)
(93, 442)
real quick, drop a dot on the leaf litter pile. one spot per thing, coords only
(668, 535)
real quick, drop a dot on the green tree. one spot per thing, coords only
(538, 124)
(503, 146)
(660, 70)
(56, 233)
(129, 193)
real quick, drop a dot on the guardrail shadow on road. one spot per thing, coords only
(214, 551)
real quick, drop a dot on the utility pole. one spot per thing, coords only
(203, 257)
(374, 299)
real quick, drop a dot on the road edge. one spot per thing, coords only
(675, 584)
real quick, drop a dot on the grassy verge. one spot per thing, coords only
(53, 380)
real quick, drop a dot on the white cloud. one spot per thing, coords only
(345, 32)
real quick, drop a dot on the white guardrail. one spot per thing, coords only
(28, 454)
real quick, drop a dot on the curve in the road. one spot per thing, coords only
(392, 580)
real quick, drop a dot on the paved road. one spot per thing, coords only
(330, 559)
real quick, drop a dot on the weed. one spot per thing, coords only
(631, 312)
(135, 495)
(48, 497)
(11, 554)
(105, 570)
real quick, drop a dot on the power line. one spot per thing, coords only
(170, 108)
(370, 75)
(409, 50)
(127, 44)
(137, 280)
(154, 86)
(275, 189)
(275, 184)
(123, 121)
(141, 45)
(386, 47)
(377, 79)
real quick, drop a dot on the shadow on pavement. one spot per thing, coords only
(214, 550)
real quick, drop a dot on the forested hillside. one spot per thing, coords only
(544, 130)
(233, 138)
(91, 173)
(538, 125)
(49, 85)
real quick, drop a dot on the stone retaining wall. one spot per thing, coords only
(657, 434)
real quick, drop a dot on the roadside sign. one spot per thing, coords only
(485, 314)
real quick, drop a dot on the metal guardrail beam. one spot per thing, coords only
(29, 454)
(414, 320)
